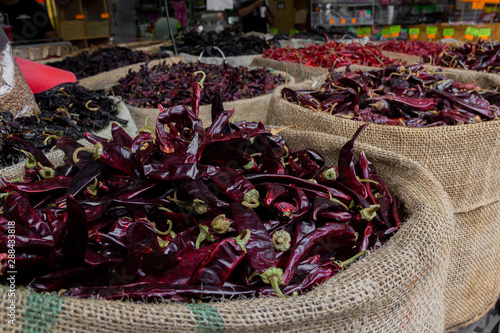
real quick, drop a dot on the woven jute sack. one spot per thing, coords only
(243, 60)
(465, 160)
(485, 80)
(298, 71)
(57, 156)
(403, 57)
(251, 109)
(397, 288)
(488, 81)
(110, 78)
(298, 42)
(473, 284)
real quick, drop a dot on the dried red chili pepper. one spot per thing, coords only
(260, 248)
(236, 187)
(216, 267)
(331, 236)
(331, 54)
(158, 225)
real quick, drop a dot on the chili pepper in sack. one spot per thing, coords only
(347, 171)
(186, 136)
(71, 244)
(216, 267)
(334, 236)
(17, 208)
(260, 248)
(236, 187)
(111, 155)
(119, 135)
(181, 273)
(304, 184)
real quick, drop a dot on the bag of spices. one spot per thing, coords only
(460, 149)
(15, 95)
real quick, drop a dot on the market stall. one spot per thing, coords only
(343, 178)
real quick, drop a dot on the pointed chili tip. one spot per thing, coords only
(358, 132)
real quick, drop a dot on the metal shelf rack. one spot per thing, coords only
(328, 13)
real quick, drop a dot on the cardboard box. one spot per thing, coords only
(72, 29)
(97, 28)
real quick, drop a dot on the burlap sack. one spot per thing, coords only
(402, 57)
(251, 109)
(473, 284)
(397, 288)
(298, 42)
(465, 160)
(107, 79)
(302, 72)
(244, 60)
(489, 81)
(56, 157)
(298, 71)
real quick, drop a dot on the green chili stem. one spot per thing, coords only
(275, 284)
(367, 181)
(202, 79)
(95, 151)
(350, 260)
(163, 233)
(46, 172)
(204, 235)
(339, 202)
(243, 241)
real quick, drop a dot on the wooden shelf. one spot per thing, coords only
(91, 24)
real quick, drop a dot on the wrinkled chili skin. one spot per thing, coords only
(260, 246)
(399, 96)
(171, 85)
(480, 56)
(144, 217)
(331, 54)
(319, 237)
(219, 264)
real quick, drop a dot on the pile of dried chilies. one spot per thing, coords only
(184, 213)
(66, 110)
(428, 51)
(230, 42)
(480, 56)
(402, 96)
(169, 85)
(322, 34)
(105, 59)
(331, 54)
